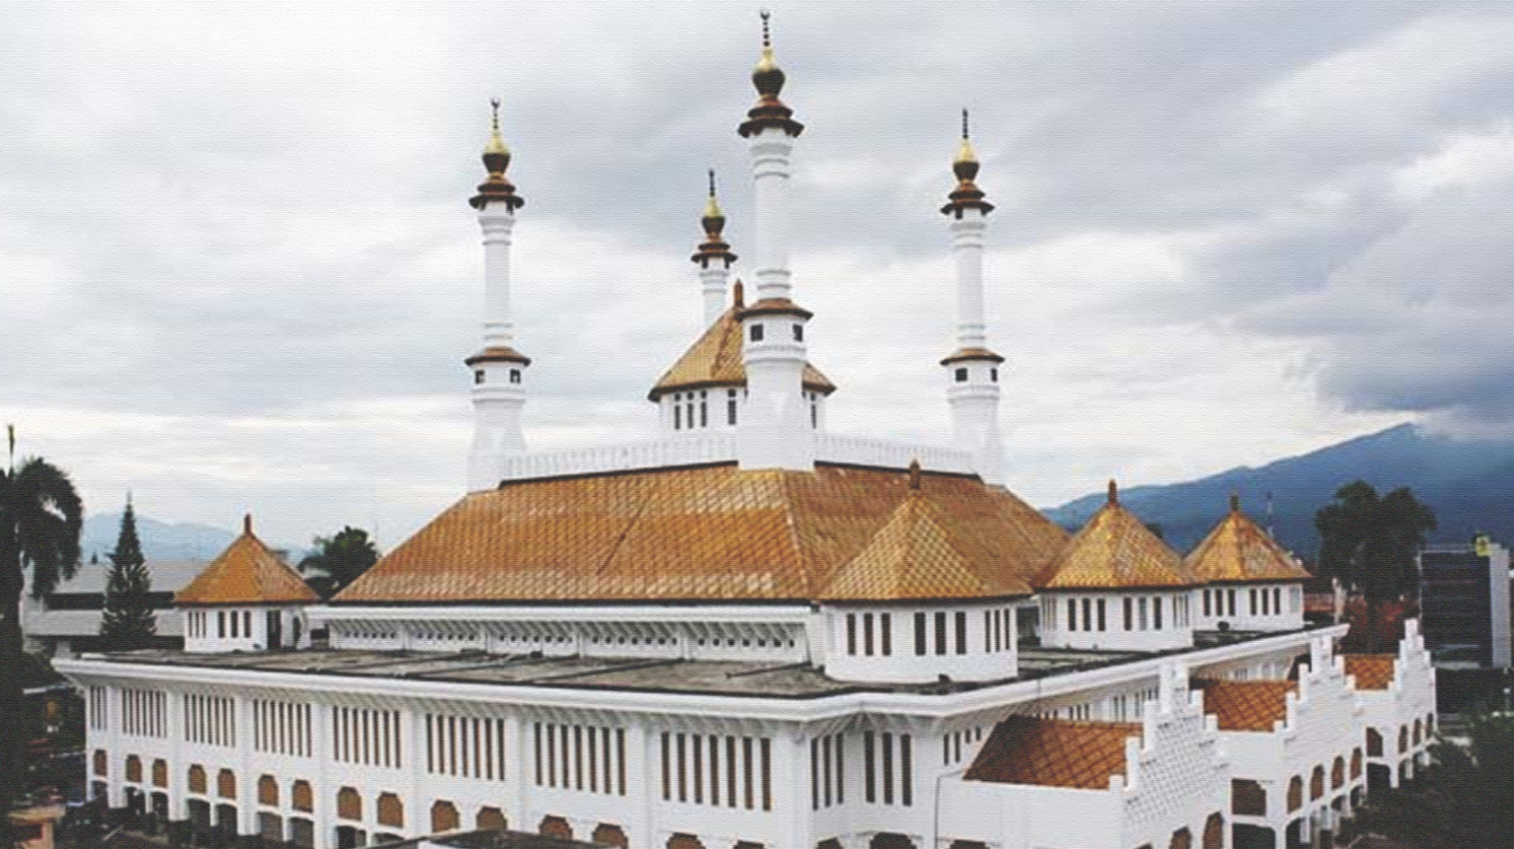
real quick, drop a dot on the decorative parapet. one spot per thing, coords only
(694, 450)
(887, 454)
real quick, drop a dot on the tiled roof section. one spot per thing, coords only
(715, 360)
(1246, 705)
(923, 553)
(247, 572)
(1238, 550)
(1372, 671)
(1053, 753)
(1113, 551)
(712, 533)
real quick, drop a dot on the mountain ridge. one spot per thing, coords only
(1469, 483)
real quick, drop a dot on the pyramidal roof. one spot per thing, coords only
(1115, 551)
(922, 553)
(1237, 550)
(715, 360)
(247, 572)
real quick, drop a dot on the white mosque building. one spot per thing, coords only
(753, 632)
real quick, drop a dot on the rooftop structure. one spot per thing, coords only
(747, 632)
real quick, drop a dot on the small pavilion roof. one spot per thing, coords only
(247, 572)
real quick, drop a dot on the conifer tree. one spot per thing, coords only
(127, 620)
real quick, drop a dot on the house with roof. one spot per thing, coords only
(746, 632)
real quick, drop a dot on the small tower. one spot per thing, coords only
(777, 430)
(499, 390)
(247, 599)
(972, 371)
(714, 258)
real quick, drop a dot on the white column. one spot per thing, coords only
(974, 402)
(498, 223)
(967, 254)
(713, 279)
(771, 148)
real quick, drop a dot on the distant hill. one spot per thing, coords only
(1468, 483)
(160, 540)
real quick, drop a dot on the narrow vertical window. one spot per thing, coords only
(1156, 612)
(620, 760)
(748, 784)
(714, 770)
(867, 634)
(536, 732)
(1142, 607)
(730, 407)
(961, 618)
(578, 757)
(840, 770)
(851, 634)
(678, 417)
(814, 774)
(887, 744)
(704, 411)
(667, 769)
(1101, 614)
(825, 753)
(869, 771)
(1230, 595)
(1253, 600)
(988, 633)
(1072, 614)
(919, 634)
(1087, 614)
(940, 632)
(765, 747)
(1277, 600)
(886, 633)
(683, 790)
(906, 772)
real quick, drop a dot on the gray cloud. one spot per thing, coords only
(255, 213)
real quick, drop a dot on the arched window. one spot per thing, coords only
(555, 826)
(133, 768)
(197, 780)
(443, 816)
(1403, 739)
(609, 834)
(1317, 783)
(226, 784)
(391, 811)
(1356, 763)
(492, 819)
(268, 791)
(102, 762)
(349, 805)
(301, 798)
(1295, 793)
(1418, 730)
(1374, 743)
(1214, 832)
(1181, 839)
(1338, 774)
(160, 773)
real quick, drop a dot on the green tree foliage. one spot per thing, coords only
(338, 560)
(40, 520)
(1370, 542)
(127, 620)
(1464, 799)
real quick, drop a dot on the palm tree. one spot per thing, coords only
(40, 520)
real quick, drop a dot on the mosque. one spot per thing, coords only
(753, 632)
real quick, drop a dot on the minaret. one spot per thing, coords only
(776, 430)
(499, 393)
(714, 258)
(972, 371)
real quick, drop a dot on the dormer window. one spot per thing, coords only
(756, 333)
(993, 375)
(798, 333)
(515, 375)
(478, 376)
(961, 375)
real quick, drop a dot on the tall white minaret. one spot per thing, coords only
(714, 258)
(499, 371)
(972, 371)
(776, 430)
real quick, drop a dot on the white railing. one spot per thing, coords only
(866, 451)
(651, 454)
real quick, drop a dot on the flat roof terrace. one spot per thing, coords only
(652, 675)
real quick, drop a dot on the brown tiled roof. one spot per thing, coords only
(922, 552)
(498, 353)
(1237, 550)
(247, 572)
(1246, 705)
(715, 360)
(1372, 671)
(1053, 752)
(1114, 550)
(714, 533)
(966, 354)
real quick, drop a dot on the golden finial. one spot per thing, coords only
(1114, 492)
(496, 155)
(914, 475)
(712, 208)
(767, 63)
(965, 152)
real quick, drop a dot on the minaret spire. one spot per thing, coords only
(714, 257)
(498, 392)
(777, 427)
(972, 371)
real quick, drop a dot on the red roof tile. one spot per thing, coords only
(1053, 753)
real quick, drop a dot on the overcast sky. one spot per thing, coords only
(239, 271)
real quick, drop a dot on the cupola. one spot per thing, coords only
(246, 599)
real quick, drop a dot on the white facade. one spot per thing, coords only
(1118, 620)
(1270, 606)
(1401, 718)
(210, 630)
